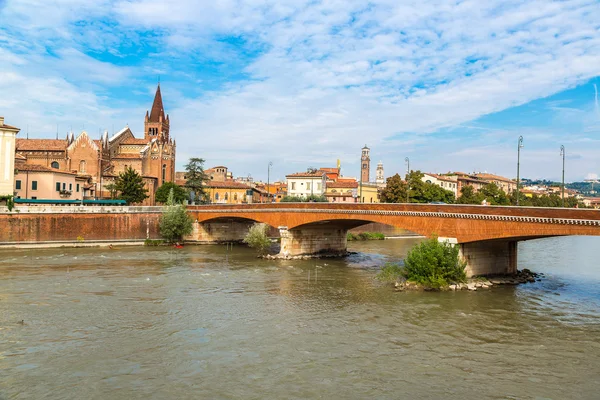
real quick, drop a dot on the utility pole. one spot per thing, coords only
(562, 153)
(519, 147)
(407, 161)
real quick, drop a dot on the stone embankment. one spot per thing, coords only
(476, 283)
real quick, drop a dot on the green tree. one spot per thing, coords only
(258, 238)
(179, 193)
(468, 196)
(434, 264)
(394, 191)
(112, 189)
(494, 195)
(131, 186)
(174, 222)
(195, 178)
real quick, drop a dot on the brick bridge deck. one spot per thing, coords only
(487, 234)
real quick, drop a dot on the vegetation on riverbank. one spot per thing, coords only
(175, 223)
(430, 264)
(258, 238)
(365, 236)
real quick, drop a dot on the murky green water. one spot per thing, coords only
(139, 323)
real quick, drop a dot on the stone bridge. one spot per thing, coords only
(487, 235)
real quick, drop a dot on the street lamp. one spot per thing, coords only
(407, 161)
(562, 153)
(268, 180)
(519, 147)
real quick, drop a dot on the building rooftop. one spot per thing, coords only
(306, 175)
(41, 145)
(41, 168)
(342, 185)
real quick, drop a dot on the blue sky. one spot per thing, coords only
(449, 84)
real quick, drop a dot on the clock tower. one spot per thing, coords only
(365, 165)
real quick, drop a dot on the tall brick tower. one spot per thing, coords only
(365, 165)
(162, 148)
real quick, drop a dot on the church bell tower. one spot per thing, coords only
(365, 165)
(156, 125)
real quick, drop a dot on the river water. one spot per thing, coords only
(204, 322)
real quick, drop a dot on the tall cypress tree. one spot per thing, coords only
(131, 186)
(195, 177)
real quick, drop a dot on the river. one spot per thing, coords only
(205, 322)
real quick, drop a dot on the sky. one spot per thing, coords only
(449, 84)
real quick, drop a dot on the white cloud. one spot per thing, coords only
(333, 75)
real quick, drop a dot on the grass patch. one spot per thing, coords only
(152, 242)
(365, 236)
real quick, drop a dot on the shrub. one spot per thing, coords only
(365, 236)
(434, 264)
(175, 222)
(258, 239)
(151, 242)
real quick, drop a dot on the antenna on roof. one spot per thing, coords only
(27, 131)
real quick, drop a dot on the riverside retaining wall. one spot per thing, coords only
(76, 224)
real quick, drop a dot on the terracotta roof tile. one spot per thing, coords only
(342, 185)
(305, 175)
(40, 168)
(227, 185)
(41, 145)
(132, 140)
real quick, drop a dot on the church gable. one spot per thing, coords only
(83, 141)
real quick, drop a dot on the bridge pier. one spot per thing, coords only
(218, 231)
(490, 257)
(313, 240)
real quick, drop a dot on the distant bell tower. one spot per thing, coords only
(365, 161)
(379, 176)
(156, 125)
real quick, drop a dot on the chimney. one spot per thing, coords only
(1, 121)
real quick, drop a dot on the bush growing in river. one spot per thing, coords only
(391, 272)
(434, 264)
(258, 238)
(175, 222)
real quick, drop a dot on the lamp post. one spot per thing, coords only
(562, 153)
(268, 180)
(519, 147)
(407, 161)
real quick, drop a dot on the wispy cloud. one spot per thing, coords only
(304, 83)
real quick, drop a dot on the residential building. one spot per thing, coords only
(463, 180)
(7, 161)
(152, 156)
(368, 192)
(304, 184)
(445, 182)
(34, 181)
(342, 192)
(507, 185)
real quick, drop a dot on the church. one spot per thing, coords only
(97, 162)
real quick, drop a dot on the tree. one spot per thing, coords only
(434, 264)
(468, 196)
(494, 195)
(427, 192)
(195, 178)
(394, 191)
(131, 186)
(258, 238)
(174, 222)
(179, 193)
(112, 189)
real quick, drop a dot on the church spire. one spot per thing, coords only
(157, 110)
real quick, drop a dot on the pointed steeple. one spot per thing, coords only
(157, 107)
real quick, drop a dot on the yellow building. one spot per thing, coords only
(368, 192)
(7, 158)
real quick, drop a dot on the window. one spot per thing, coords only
(293, 185)
(216, 196)
(164, 172)
(364, 166)
(77, 188)
(54, 165)
(33, 185)
(58, 186)
(18, 185)
(226, 197)
(33, 197)
(318, 186)
(64, 186)
(344, 198)
(308, 186)
(70, 186)
(82, 166)
(235, 196)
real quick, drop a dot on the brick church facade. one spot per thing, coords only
(99, 162)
